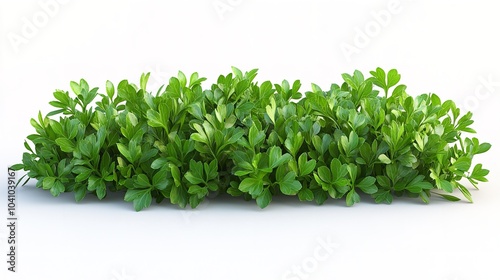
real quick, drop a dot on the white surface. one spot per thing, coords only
(449, 48)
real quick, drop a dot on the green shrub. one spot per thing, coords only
(253, 140)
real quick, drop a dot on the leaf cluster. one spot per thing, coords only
(253, 140)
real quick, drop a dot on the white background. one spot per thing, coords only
(450, 48)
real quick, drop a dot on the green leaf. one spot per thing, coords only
(353, 172)
(479, 174)
(57, 127)
(154, 119)
(383, 197)
(65, 145)
(192, 178)
(124, 151)
(182, 79)
(176, 174)
(17, 167)
(384, 181)
(288, 185)
(141, 198)
(83, 173)
(465, 192)
(392, 172)
(320, 196)
(234, 191)
(57, 188)
(352, 197)
(159, 163)
(194, 201)
(276, 158)
(416, 185)
(449, 197)
(97, 184)
(367, 185)
(80, 192)
(462, 164)
(483, 148)
(255, 137)
(142, 181)
(174, 88)
(325, 174)
(305, 166)
(197, 190)
(407, 159)
(424, 197)
(211, 170)
(101, 189)
(48, 183)
(75, 87)
(392, 78)
(316, 88)
(131, 119)
(252, 186)
(305, 195)
(237, 72)
(271, 110)
(110, 89)
(160, 181)
(264, 199)
(379, 76)
(446, 186)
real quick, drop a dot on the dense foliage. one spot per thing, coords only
(253, 140)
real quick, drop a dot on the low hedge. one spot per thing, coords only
(184, 142)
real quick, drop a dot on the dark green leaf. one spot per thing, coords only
(352, 197)
(264, 199)
(305, 195)
(367, 185)
(325, 174)
(141, 198)
(449, 197)
(305, 166)
(288, 185)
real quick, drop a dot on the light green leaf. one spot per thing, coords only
(159, 163)
(446, 186)
(449, 197)
(384, 159)
(252, 186)
(65, 145)
(393, 78)
(48, 183)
